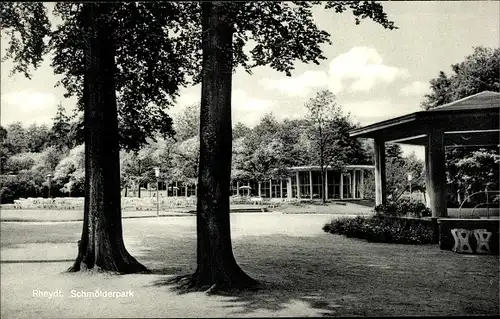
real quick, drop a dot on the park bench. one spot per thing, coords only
(256, 200)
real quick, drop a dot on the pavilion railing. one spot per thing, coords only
(489, 201)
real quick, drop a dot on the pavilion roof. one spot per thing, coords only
(477, 114)
(483, 100)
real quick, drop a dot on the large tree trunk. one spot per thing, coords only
(101, 246)
(216, 265)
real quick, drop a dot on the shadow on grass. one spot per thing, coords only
(271, 296)
(288, 280)
(330, 275)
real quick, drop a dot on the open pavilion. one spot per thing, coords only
(471, 121)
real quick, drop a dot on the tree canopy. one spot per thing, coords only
(479, 72)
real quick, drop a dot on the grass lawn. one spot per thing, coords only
(307, 272)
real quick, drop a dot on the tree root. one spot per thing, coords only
(212, 290)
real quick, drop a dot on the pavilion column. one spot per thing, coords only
(238, 188)
(362, 184)
(380, 179)
(260, 194)
(298, 184)
(310, 184)
(427, 178)
(281, 188)
(437, 173)
(289, 188)
(325, 187)
(354, 183)
(341, 185)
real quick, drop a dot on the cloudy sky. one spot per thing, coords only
(375, 73)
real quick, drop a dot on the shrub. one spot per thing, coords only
(383, 229)
(403, 208)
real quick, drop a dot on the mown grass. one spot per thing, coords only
(306, 272)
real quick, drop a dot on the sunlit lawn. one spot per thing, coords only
(307, 272)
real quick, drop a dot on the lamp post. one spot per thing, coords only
(49, 182)
(157, 174)
(410, 178)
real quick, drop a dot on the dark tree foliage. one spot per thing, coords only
(62, 133)
(479, 72)
(151, 63)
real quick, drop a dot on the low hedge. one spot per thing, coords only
(384, 229)
(403, 208)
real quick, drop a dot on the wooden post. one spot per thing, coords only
(427, 177)
(380, 180)
(437, 173)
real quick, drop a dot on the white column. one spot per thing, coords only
(259, 191)
(380, 180)
(341, 185)
(238, 188)
(186, 189)
(362, 184)
(176, 189)
(270, 188)
(326, 184)
(298, 185)
(354, 184)
(281, 188)
(310, 184)
(289, 188)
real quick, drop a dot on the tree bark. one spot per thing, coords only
(101, 246)
(216, 265)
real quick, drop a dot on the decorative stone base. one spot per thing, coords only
(482, 231)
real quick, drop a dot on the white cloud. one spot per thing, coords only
(248, 110)
(29, 100)
(416, 88)
(297, 86)
(28, 107)
(361, 66)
